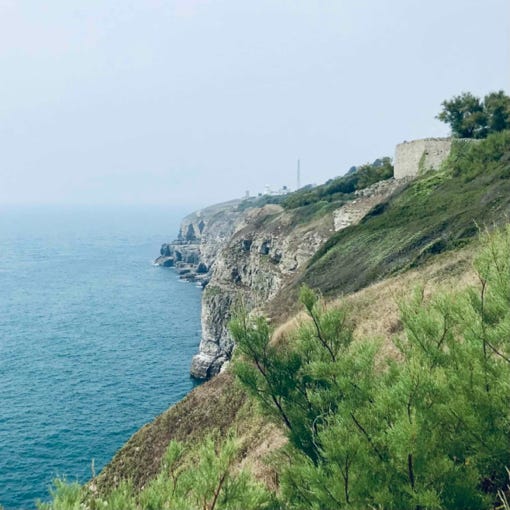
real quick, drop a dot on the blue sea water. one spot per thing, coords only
(95, 341)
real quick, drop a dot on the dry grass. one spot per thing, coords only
(285, 331)
(210, 408)
(375, 309)
(259, 446)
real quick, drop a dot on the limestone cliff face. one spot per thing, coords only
(353, 212)
(245, 257)
(266, 249)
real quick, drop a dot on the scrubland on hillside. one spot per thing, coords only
(384, 385)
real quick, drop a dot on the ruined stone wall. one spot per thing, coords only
(417, 156)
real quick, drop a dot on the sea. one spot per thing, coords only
(95, 341)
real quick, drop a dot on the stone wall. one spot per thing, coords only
(417, 156)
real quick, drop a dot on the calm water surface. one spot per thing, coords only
(95, 341)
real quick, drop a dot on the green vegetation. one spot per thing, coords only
(260, 201)
(469, 117)
(311, 202)
(203, 479)
(429, 431)
(424, 428)
(341, 189)
(437, 212)
(308, 213)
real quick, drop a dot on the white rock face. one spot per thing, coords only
(353, 212)
(201, 236)
(247, 256)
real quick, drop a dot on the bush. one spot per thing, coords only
(469, 117)
(428, 431)
(205, 478)
(342, 188)
(470, 159)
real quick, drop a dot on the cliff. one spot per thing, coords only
(258, 257)
(246, 255)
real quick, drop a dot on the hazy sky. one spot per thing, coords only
(196, 101)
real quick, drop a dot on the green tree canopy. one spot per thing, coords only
(470, 117)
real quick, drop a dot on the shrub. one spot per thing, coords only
(427, 431)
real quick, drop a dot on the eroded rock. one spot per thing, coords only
(247, 257)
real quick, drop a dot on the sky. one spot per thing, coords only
(192, 102)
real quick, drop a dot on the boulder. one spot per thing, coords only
(204, 366)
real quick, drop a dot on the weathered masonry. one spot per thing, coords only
(417, 156)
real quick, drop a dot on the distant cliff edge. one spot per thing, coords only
(242, 254)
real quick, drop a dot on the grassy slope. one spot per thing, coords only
(439, 212)
(212, 408)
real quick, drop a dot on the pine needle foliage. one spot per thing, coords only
(65, 496)
(204, 479)
(429, 431)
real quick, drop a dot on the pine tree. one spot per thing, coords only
(429, 430)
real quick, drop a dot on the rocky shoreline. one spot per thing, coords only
(185, 258)
(201, 236)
